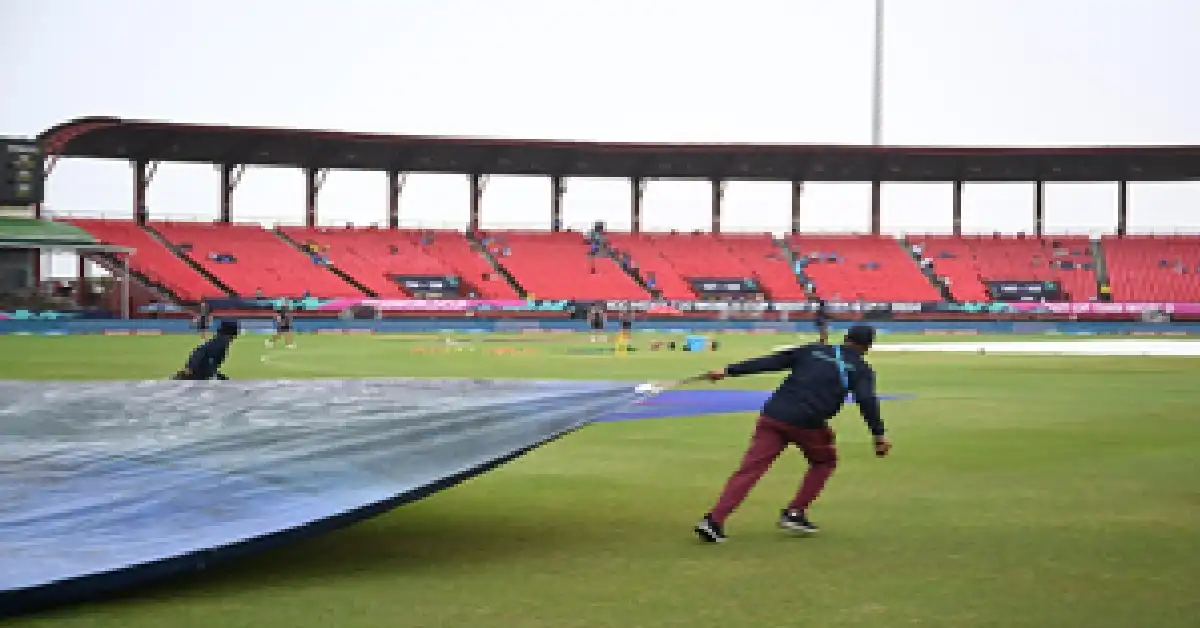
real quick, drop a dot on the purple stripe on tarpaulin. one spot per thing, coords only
(677, 403)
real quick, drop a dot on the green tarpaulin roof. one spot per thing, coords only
(42, 233)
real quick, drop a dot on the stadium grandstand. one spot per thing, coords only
(184, 263)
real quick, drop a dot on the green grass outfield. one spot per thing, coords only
(1022, 491)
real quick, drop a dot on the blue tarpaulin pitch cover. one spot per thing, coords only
(106, 484)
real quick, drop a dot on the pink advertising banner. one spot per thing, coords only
(1106, 308)
(420, 305)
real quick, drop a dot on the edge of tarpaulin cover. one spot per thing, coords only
(93, 586)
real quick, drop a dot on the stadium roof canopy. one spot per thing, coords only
(154, 141)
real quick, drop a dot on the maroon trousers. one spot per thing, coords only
(770, 438)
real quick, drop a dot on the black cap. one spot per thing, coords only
(862, 335)
(228, 328)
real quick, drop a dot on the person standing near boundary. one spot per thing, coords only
(625, 335)
(203, 320)
(821, 319)
(798, 413)
(283, 328)
(596, 322)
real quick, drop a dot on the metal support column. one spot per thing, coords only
(956, 208)
(314, 179)
(637, 188)
(396, 181)
(1122, 208)
(1039, 208)
(231, 176)
(876, 207)
(558, 187)
(143, 176)
(718, 201)
(125, 287)
(797, 194)
(478, 187)
(80, 276)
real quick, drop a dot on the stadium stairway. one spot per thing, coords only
(630, 269)
(674, 259)
(937, 280)
(558, 265)
(153, 262)
(801, 278)
(969, 262)
(862, 267)
(115, 267)
(331, 266)
(492, 261)
(187, 259)
(248, 259)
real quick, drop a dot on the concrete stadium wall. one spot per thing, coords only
(467, 325)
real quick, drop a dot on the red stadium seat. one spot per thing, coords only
(371, 256)
(871, 268)
(262, 261)
(673, 258)
(970, 261)
(557, 266)
(1153, 269)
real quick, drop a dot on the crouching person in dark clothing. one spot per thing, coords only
(206, 360)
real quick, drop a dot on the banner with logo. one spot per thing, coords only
(445, 305)
(1089, 307)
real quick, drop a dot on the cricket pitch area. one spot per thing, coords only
(1035, 481)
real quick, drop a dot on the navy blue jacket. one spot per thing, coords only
(816, 388)
(206, 360)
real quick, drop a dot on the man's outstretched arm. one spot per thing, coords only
(778, 361)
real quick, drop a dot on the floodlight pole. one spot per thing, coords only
(877, 115)
(877, 79)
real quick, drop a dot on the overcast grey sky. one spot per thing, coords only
(957, 72)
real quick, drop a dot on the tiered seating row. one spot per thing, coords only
(869, 268)
(249, 258)
(561, 266)
(1153, 269)
(669, 260)
(970, 262)
(151, 258)
(371, 256)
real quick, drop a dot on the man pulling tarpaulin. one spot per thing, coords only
(206, 360)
